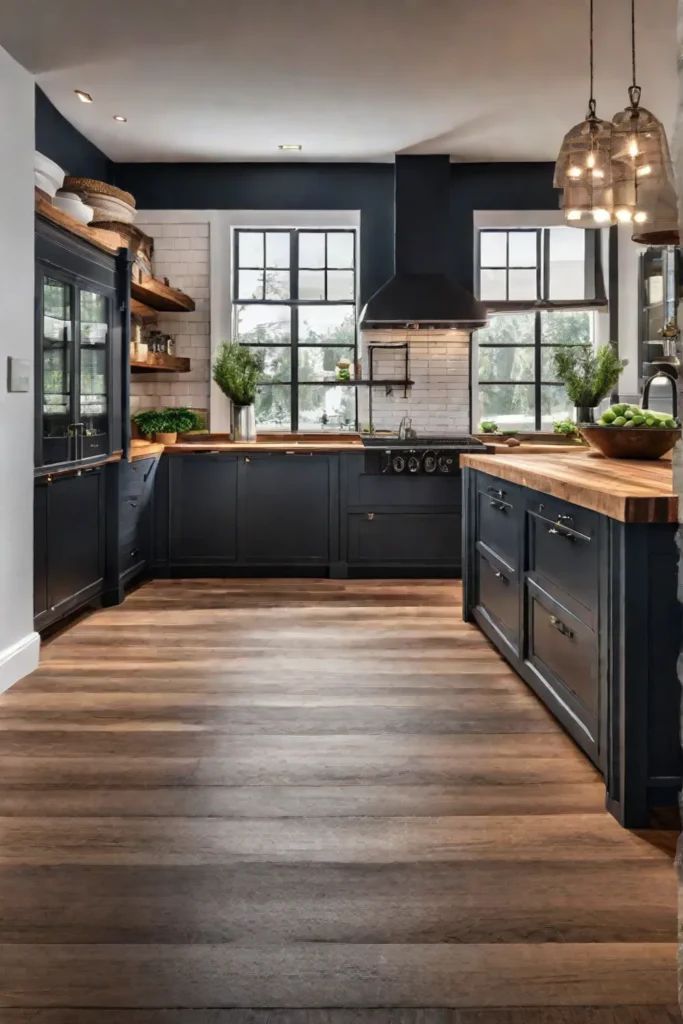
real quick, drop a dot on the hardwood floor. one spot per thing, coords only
(310, 793)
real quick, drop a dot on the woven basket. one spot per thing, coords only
(90, 186)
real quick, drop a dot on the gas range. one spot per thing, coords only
(416, 455)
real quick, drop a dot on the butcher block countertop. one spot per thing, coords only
(624, 489)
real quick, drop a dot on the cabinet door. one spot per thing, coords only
(40, 595)
(75, 538)
(285, 505)
(202, 509)
(404, 538)
(55, 384)
(94, 331)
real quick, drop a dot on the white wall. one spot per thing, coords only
(19, 645)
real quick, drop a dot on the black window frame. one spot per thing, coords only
(296, 303)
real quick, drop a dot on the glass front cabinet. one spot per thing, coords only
(76, 339)
(661, 283)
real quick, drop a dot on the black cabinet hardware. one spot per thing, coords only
(561, 628)
(500, 576)
(133, 504)
(499, 506)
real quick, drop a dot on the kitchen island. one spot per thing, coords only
(570, 569)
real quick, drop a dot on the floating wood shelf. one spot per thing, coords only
(140, 309)
(159, 296)
(108, 241)
(158, 362)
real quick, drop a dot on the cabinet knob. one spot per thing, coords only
(561, 628)
(247, 459)
(370, 515)
(501, 577)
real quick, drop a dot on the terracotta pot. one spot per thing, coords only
(166, 438)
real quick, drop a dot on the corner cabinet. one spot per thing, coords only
(585, 609)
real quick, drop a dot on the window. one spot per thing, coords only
(294, 301)
(543, 285)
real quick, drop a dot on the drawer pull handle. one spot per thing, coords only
(561, 628)
(498, 506)
(560, 533)
(501, 577)
(133, 504)
(496, 492)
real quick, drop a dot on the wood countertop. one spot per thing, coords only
(624, 489)
(265, 446)
(144, 450)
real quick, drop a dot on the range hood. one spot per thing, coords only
(422, 293)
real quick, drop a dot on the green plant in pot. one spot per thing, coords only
(238, 372)
(166, 424)
(588, 376)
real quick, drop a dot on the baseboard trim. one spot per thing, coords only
(19, 660)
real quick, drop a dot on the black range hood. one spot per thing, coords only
(422, 293)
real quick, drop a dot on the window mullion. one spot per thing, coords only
(294, 327)
(537, 370)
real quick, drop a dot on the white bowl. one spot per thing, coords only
(109, 208)
(71, 204)
(49, 176)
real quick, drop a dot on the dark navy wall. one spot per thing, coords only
(57, 139)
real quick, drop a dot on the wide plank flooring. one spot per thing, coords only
(312, 802)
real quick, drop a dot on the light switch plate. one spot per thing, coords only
(18, 374)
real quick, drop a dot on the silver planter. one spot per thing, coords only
(584, 414)
(243, 423)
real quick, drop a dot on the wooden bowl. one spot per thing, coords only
(631, 442)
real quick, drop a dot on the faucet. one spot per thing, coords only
(405, 429)
(674, 390)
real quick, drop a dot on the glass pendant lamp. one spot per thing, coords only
(642, 172)
(584, 170)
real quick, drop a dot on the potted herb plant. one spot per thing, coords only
(588, 376)
(166, 424)
(238, 372)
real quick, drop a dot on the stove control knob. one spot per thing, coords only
(413, 464)
(445, 464)
(429, 463)
(398, 463)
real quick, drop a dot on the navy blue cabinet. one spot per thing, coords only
(135, 517)
(285, 505)
(585, 609)
(69, 532)
(202, 509)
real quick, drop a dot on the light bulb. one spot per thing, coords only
(624, 216)
(601, 216)
(575, 172)
(573, 214)
(590, 160)
(633, 148)
(640, 217)
(643, 171)
(597, 173)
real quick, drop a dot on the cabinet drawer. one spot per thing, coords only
(498, 594)
(136, 476)
(564, 550)
(564, 653)
(404, 538)
(499, 512)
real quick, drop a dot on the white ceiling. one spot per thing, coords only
(348, 79)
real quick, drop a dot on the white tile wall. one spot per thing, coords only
(439, 365)
(181, 253)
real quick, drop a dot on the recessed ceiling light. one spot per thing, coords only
(120, 117)
(84, 97)
(289, 145)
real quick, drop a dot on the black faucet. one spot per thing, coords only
(674, 390)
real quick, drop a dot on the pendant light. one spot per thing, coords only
(583, 170)
(642, 172)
